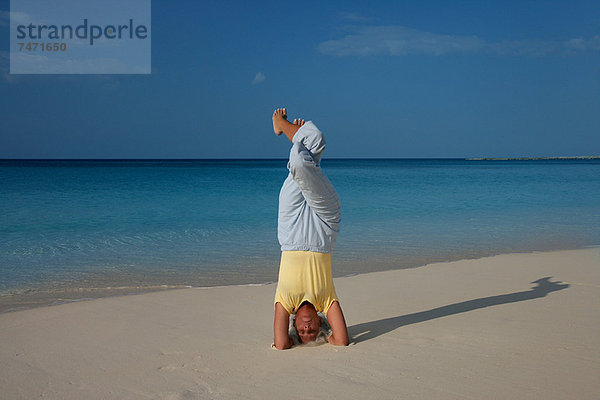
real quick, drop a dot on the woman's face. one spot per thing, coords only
(307, 323)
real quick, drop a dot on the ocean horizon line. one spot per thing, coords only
(150, 159)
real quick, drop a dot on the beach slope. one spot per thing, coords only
(515, 326)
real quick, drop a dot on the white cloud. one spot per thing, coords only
(18, 17)
(109, 82)
(355, 17)
(40, 63)
(400, 40)
(543, 48)
(259, 78)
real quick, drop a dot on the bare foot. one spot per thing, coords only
(279, 120)
(282, 125)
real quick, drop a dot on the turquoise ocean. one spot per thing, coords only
(74, 229)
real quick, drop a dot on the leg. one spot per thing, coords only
(282, 125)
(316, 189)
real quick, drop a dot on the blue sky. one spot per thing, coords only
(381, 79)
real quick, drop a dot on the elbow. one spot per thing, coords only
(339, 342)
(282, 346)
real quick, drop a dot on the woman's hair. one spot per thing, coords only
(324, 331)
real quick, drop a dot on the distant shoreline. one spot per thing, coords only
(532, 158)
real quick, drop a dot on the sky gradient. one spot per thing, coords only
(381, 79)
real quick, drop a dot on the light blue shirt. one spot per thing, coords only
(309, 207)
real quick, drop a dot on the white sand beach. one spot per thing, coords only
(515, 326)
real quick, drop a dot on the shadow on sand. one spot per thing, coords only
(369, 330)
